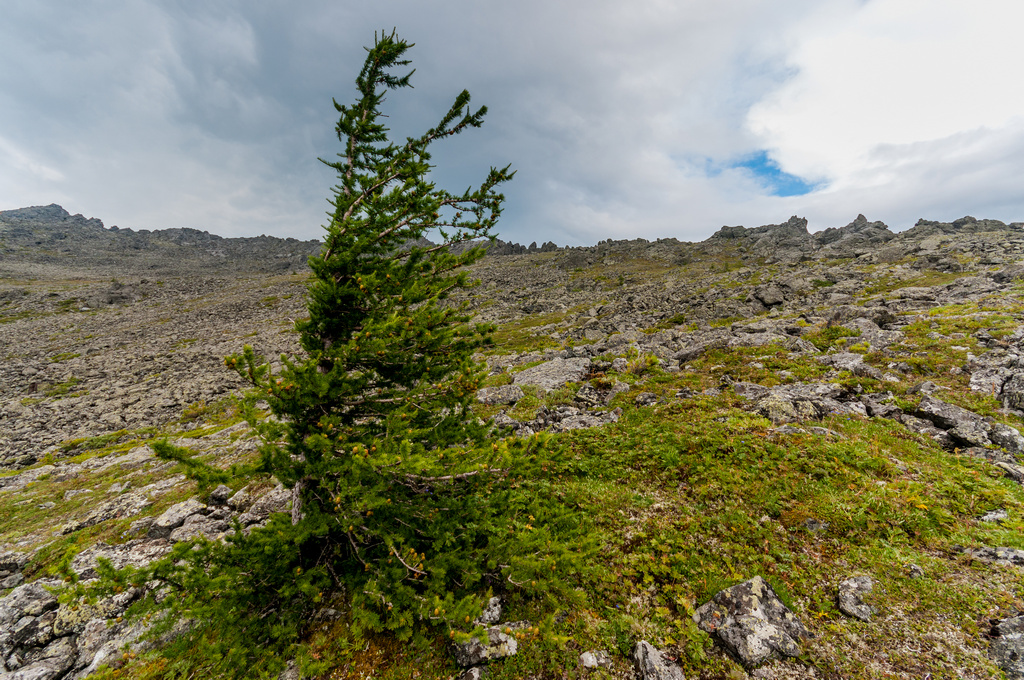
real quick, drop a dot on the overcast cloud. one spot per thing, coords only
(651, 118)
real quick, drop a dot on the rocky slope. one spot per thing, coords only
(883, 370)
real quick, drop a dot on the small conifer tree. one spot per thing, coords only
(406, 512)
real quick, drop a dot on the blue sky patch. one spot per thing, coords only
(772, 178)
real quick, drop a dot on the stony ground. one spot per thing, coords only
(809, 410)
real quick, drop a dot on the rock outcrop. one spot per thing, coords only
(752, 623)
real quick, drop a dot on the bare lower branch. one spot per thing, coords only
(399, 558)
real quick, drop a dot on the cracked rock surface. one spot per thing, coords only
(752, 623)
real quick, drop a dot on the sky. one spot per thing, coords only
(652, 119)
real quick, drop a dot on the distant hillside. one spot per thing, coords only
(49, 235)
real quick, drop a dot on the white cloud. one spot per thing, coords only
(151, 116)
(875, 79)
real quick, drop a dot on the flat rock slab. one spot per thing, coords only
(125, 505)
(1007, 648)
(1006, 557)
(135, 553)
(554, 374)
(752, 623)
(651, 664)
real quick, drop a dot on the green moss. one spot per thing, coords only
(831, 336)
(63, 356)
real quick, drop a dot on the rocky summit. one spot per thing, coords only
(801, 453)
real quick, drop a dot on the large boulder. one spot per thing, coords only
(752, 623)
(555, 373)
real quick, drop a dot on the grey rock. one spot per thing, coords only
(32, 631)
(804, 401)
(850, 597)
(1007, 648)
(881, 405)
(989, 380)
(102, 642)
(769, 295)
(475, 673)
(137, 553)
(590, 395)
(1006, 437)
(220, 495)
(491, 613)
(497, 645)
(597, 658)
(554, 374)
(502, 394)
(11, 561)
(816, 526)
(290, 672)
(646, 399)
(852, 362)
(750, 390)
(29, 599)
(1008, 274)
(242, 499)
(580, 420)
(971, 433)
(1012, 394)
(950, 416)
(1002, 556)
(925, 427)
(199, 525)
(55, 660)
(926, 387)
(174, 516)
(12, 581)
(125, 505)
(650, 664)
(697, 348)
(752, 623)
(277, 499)
(72, 618)
(871, 333)
(1012, 470)
(998, 516)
